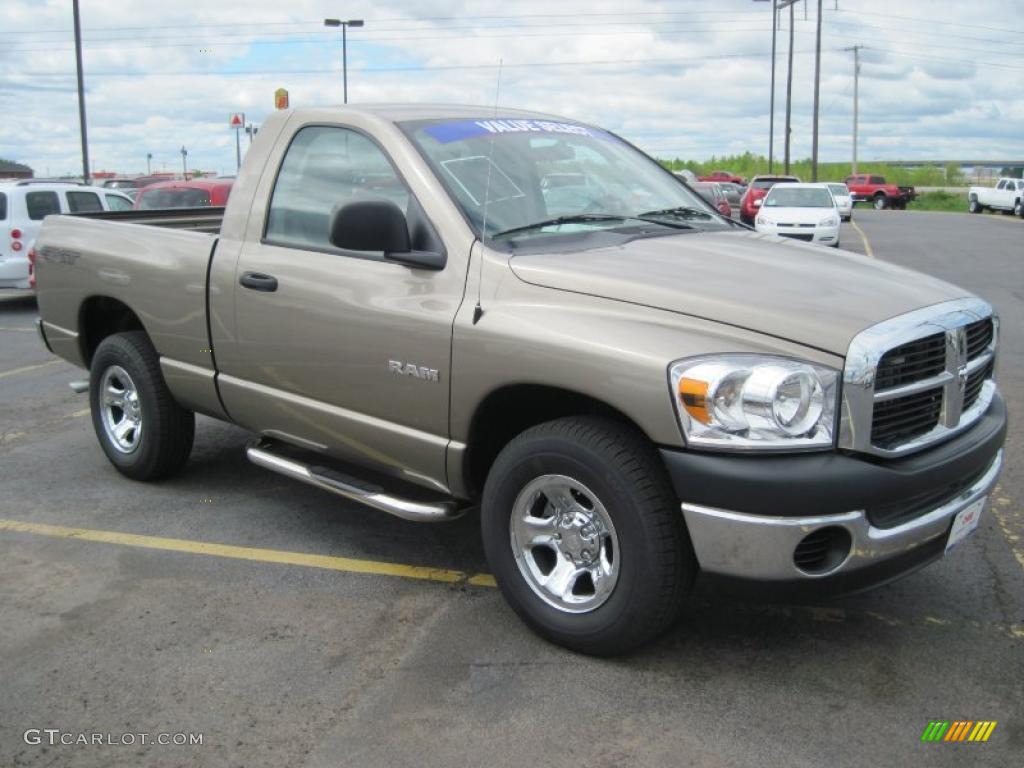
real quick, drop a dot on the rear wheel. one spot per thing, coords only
(584, 535)
(142, 430)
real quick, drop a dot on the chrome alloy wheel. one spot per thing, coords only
(564, 543)
(120, 409)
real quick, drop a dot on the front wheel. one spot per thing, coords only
(142, 430)
(584, 535)
(1018, 208)
(881, 202)
(973, 206)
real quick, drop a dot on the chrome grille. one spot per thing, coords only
(917, 360)
(918, 378)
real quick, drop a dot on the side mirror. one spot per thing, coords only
(379, 226)
(758, 202)
(370, 225)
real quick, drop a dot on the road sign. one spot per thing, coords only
(280, 99)
(237, 120)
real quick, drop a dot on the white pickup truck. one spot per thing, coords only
(1005, 196)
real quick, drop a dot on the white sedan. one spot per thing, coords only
(843, 198)
(801, 211)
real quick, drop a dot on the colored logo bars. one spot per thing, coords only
(958, 730)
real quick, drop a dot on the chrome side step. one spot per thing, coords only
(262, 454)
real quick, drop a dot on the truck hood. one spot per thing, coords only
(808, 294)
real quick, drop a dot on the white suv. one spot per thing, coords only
(24, 205)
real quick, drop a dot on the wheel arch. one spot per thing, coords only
(100, 317)
(509, 410)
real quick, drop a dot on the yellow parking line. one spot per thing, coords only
(864, 239)
(28, 368)
(327, 562)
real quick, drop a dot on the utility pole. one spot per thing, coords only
(81, 92)
(771, 109)
(856, 99)
(817, 91)
(184, 163)
(789, 87)
(149, 162)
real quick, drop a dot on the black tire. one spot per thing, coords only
(166, 430)
(1018, 208)
(656, 564)
(973, 206)
(881, 202)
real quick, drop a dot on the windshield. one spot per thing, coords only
(548, 177)
(798, 197)
(839, 189)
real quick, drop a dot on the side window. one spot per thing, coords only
(41, 204)
(84, 202)
(118, 203)
(3, 206)
(325, 167)
(877, 180)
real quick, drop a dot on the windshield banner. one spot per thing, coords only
(470, 129)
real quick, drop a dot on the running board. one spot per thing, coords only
(261, 453)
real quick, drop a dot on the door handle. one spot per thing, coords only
(258, 281)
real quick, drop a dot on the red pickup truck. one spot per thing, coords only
(867, 188)
(723, 176)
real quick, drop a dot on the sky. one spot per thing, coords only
(679, 78)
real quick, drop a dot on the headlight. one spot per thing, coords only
(763, 220)
(831, 221)
(755, 402)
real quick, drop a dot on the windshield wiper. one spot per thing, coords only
(583, 218)
(682, 212)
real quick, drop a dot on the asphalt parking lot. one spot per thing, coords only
(109, 627)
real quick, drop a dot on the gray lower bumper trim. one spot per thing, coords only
(761, 547)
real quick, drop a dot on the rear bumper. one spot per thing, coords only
(14, 271)
(746, 514)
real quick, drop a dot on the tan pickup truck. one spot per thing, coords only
(434, 309)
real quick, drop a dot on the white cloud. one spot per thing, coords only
(931, 87)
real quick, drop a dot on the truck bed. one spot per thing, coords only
(153, 262)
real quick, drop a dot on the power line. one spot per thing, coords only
(417, 68)
(197, 41)
(424, 20)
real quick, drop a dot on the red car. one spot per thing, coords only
(756, 190)
(867, 188)
(714, 195)
(198, 193)
(723, 176)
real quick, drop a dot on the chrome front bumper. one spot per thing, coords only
(759, 547)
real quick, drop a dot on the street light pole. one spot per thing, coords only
(771, 109)
(344, 47)
(81, 92)
(184, 164)
(817, 90)
(149, 161)
(789, 87)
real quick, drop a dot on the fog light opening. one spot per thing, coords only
(822, 551)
